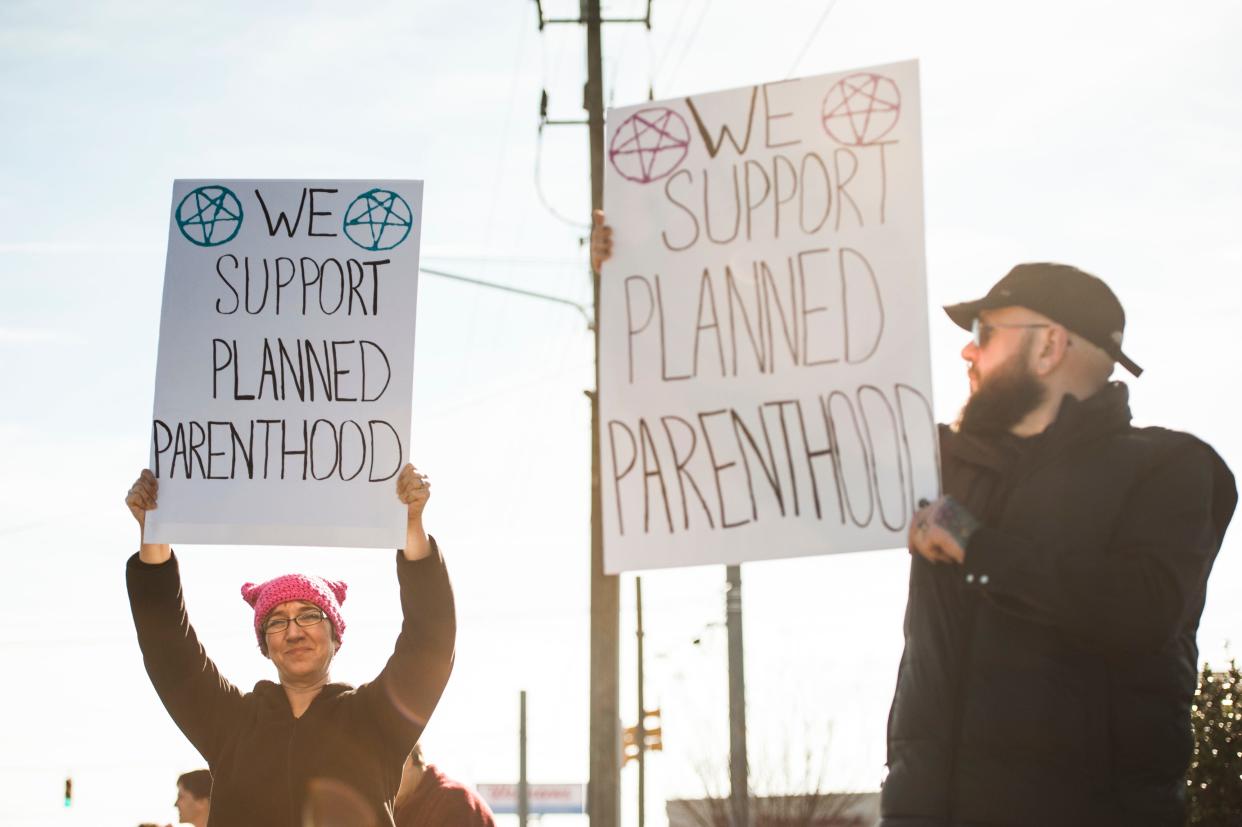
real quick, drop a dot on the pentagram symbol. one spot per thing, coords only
(649, 145)
(378, 220)
(862, 109)
(209, 216)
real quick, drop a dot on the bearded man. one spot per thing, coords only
(1055, 591)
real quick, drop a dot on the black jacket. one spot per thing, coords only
(1048, 681)
(342, 759)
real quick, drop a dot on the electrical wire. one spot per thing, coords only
(511, 259)
(650, 65)
(672, 38)
(504, 139)
(539, 192)
(811, 39)
(613, 68)
(582, 309)
(694, 33)
(543, 198)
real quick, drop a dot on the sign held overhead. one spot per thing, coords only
(285, 368)
(765, 382)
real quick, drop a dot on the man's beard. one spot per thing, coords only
(1004, 400)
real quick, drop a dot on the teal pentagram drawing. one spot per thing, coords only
(378, 220)
(209, 216)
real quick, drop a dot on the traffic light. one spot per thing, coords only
(629, 744)
(653, 739)
(68, 791)
(651, 729)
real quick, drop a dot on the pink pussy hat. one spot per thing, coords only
(328, 595)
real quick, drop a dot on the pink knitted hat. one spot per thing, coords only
(328, 595)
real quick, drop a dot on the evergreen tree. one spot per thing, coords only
(1215, 776)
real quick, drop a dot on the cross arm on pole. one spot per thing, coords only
(578, 21)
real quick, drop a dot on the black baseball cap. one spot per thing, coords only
(1081, 302)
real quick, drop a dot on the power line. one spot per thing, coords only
(510, 259)
(694, 33)
(555, 72)
(583, 309)
(504, 140)
(672, 39)
(543, 198)
(478, 399)
(811, 38)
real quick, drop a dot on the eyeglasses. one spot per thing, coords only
(310, 617)
(982, 332)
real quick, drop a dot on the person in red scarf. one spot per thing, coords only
(429, 798)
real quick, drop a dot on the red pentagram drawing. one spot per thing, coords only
(649, 144)
(862, 109)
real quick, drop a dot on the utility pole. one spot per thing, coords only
(641, 730)
(604, 788)
(604, 793)
(523, 788)
(739, 793)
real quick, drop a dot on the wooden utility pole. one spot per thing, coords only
(640, 731)
(604, 789)
(739, 788)
(604, 793)
(523, 787)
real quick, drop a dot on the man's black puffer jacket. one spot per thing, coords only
(1048, 681)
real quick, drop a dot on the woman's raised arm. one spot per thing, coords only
(141, 499)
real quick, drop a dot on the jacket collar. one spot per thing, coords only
(274, 694)
(1078, 421)
(1106, 411)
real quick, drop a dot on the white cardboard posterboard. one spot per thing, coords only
(286, 358)
(765, 381)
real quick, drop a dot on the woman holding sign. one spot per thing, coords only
(289, 751)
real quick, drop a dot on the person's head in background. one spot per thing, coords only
(194, 797)
(412, 772)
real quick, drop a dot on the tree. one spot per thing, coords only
(788, 791)
(1215, 776)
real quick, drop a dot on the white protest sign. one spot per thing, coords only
(765, 381)
(286, 358)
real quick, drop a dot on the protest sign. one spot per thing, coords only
(285, 369)
(765, 382)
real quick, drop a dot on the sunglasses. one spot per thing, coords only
(981, 332)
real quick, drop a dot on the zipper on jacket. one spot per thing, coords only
(294, 817)
(959, 705)
(997, 500)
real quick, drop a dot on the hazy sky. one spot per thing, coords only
(1103, 134)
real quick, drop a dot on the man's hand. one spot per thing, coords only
(601, 240)
(140, 499)
(414, 489)
(940, 531)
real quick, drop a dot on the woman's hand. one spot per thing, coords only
(142, 498)
(414, 489)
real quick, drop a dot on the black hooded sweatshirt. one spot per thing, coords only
(1048, 680)
(340, 762)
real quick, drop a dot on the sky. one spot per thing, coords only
(1103, 134)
